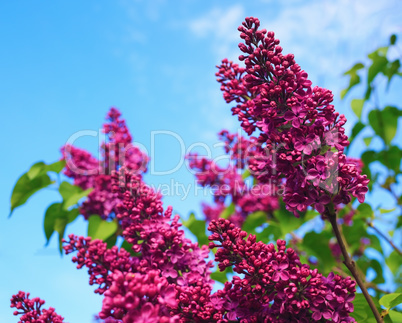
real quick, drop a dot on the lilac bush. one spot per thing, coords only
(159, 275)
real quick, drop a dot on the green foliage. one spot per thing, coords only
(128, 247)
(357, 128)
(101, 229)
(286, 221)
(362, 311)
(395, 316)
(227, 212)
(357, 107)
(384, 122)
(246, 174)
(71, 194)
(58, 215)
(253, 221)
(378, 63)
(221, 276)
(198, 228)
(394, 262)
(56, 219)
(354, 78)
(391, 300)
(35, 179)
(317, 244)
(380, 122)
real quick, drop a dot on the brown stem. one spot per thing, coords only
(351, 265)
(382, 235)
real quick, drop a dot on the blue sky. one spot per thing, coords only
(64, 63)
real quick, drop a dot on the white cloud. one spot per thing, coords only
(326, 36)
(222, 25)
(330, 35)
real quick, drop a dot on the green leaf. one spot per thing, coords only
(379, 279)
(270, 234)
(246, 174)
(384, 122)
(72, 194)
(367, 140)
(310, 214)
(361, 308)
(359, 126)
(287, 221)
(60, 226)
(72, 215)
(253, 221)
(395, 316)
(368, 157)
(391, 300)
(111, 241)
(317, 244)
(384, 211)
(42, 168)
(357, 107)
(354, 233)
(56, 167)
(66, 190)
(379, 64)
(36, 169)
(129, 247)
(28, 184)
(394, 262)
(226, 213)
(354, 78)
(367, 94)
(56, 219)
(392, 39)
(52, 212)
(100, 229)
(364, 211)
(73, 200)
(354, 69)
(221, 276)
(375, 242)
(197, 227)
(393, 69)
(32, 181)
(391, 158)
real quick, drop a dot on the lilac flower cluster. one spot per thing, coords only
(140, 298)
(275, 286)
(301, 137)
(99, 260)
(165, 277)
(31, 310)
(89, 172)
(162, 276)
(228, 185)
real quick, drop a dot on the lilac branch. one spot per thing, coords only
(382, 235)
(350, 264)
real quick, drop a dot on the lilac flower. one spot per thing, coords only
(295, 115)
(273, 94)
(169, 271)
